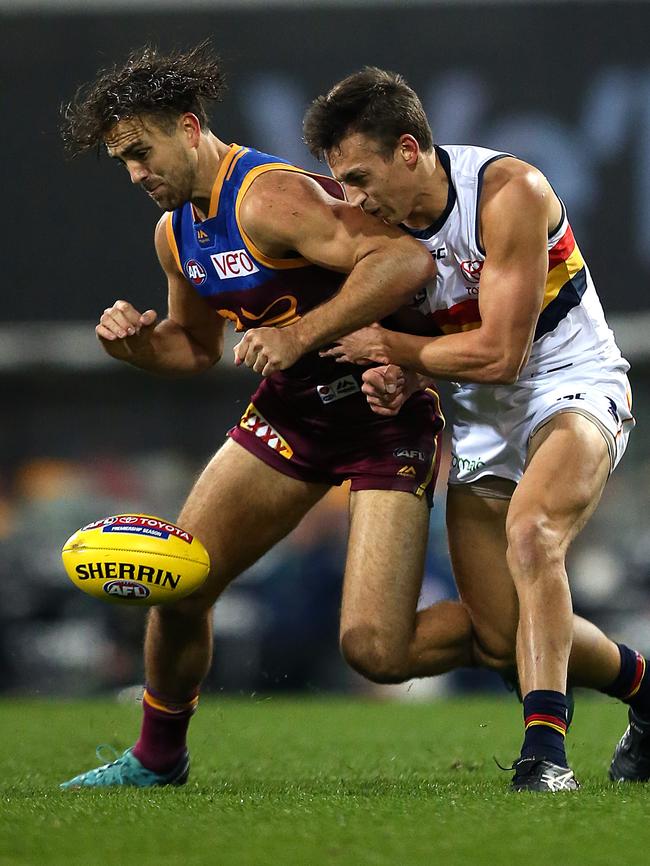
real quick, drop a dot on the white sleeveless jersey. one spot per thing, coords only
(571, 325)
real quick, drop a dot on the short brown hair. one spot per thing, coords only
(162, 86)
(374, 102)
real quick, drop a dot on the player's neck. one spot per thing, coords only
(211, 153)
(432, 192)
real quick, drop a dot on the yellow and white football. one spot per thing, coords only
(135, 559)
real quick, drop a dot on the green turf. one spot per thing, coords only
(293, 782)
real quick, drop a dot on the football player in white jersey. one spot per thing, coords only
(541, 400)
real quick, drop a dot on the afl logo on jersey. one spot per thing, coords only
(196, 272)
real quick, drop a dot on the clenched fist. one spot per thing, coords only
(388, 388)
(267, 350)
(123, 330)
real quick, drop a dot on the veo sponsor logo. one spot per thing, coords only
(338, 389)
(234, 263)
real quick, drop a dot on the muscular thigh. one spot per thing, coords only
(567, 466)
(477, 546)
(385, 565)
(239, 508)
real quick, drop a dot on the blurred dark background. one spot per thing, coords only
(564, 85)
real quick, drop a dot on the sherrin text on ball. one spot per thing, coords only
(135, 559)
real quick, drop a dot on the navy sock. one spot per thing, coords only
(545, 720)
(632, 686)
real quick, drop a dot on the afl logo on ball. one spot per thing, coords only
(126, 589)
(196, 272)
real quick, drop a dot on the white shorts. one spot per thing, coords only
(493, 424)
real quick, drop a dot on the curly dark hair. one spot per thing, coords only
(161, 86)
(375, 102)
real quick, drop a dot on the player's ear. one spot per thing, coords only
(408, 149)
(191, 126)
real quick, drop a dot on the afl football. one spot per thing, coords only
(136, 559)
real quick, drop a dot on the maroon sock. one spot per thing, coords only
(162, 740)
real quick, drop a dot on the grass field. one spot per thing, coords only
(313, 781)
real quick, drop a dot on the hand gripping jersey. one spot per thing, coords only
(312, 421)
(571, 324)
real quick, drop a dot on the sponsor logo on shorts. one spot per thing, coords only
(613, 411)
(234, 263)
(407, 472)
(196, 272)
(466, 465)
(410, 454)
(338, 389)
(257, 424)
(140, 525)
(471, 269)
(126, 589)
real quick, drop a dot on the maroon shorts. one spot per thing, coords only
(327, 434)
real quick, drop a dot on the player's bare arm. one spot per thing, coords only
(188, 341)
(518, 205)
(287, 212)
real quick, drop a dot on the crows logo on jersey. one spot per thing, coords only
(472, 270)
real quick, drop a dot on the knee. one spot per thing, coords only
(533, 543)
(372, 655)
(494, 652)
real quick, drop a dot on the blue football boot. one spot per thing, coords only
(128, 771)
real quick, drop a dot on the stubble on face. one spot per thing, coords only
(146, 147)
